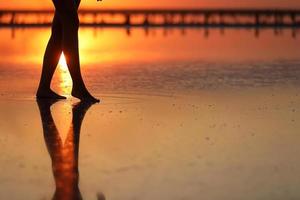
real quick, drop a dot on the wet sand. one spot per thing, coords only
(171, 130)
(214, 145)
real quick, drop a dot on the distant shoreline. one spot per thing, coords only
(161, 17)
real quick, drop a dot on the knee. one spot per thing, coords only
(71, 21)
(74, 20)
(56, 32)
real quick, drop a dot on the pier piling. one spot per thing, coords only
(200, 17)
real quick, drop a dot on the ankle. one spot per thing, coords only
(79, 88)
(43, 89)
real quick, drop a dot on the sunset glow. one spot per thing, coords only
(62, 62)
(166, 100)
(14, 4)
(65, 80)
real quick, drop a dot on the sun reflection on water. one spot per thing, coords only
(65, 81)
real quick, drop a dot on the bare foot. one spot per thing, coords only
(84, 95)
(48, 94)
(46, 103)
(79, 109)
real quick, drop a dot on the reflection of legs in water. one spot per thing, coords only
(64, 38)
(64, 155)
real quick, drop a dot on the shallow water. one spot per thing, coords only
(183, 116)
(115, 62)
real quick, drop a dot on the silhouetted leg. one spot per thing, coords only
(64, 155)
(51, 59)
(67, 11)
(79, 110)
(72, 142)
(51, 134)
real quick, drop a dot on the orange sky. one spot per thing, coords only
(155, 3)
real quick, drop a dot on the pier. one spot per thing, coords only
(160, 18)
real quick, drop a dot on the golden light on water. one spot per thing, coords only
(62, 62)
(64, 76)
(62, 118)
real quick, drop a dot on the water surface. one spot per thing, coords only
(185, 114)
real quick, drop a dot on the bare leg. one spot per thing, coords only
(51, 59)
(64, 154)
(67, 11)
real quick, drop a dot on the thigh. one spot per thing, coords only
(66, 5)
(66, 12)
(77, 2)
(57, 26)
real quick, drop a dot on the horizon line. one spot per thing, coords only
(160, 8)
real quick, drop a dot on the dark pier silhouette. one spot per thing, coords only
(289, 18)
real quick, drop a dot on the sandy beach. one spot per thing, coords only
(216, 145)
(168, 127)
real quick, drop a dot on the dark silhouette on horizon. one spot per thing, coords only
(189, 17)
(64, 154)
(200, 18)
(64, 38)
